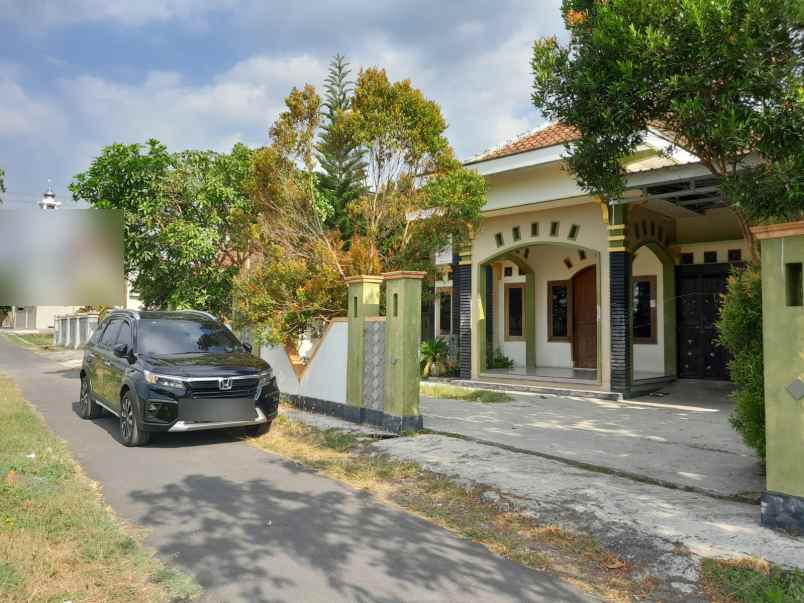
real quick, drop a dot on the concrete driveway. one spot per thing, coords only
(253, 527)
(682, 438)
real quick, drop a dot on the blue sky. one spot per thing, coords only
(76, 75)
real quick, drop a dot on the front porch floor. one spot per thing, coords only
(578, 376)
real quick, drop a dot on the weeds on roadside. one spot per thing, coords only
(438, 390)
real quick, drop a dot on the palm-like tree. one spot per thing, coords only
(433, 357)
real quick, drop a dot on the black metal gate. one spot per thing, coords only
(699, 289)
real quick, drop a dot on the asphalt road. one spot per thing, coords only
(251, 526)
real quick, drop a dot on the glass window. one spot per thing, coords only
(644, 309)
(124, 335)
(445, 313)
(161, 336)
(514, 312)
(96, 334)
(110, 334)
(558, 311)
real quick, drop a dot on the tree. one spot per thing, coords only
(187, 219)
(340, 159)
(2, 183)
(723, 78)
(415, 199)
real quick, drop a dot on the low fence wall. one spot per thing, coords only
(74, 330)
(365, 368)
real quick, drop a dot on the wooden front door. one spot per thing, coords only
(584, 318)
(699, 289)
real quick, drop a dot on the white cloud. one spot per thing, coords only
(46, 13)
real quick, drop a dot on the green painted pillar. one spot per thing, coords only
(364, 302)
(783, 351)
(530, 319)
(403, 294)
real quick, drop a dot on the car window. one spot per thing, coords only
(124, 335)
(96, 334)
(175, 336)
(110, 334)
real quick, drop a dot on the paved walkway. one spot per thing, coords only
(253, 527)
(663, 532)
(682, 439)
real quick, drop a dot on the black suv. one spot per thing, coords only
(174, 371)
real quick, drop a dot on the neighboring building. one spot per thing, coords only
(610, 296)
(43, 317)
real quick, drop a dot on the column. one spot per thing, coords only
(462, 299)
(364, 301)
(622, 351)
(783, 333)
(403, 301)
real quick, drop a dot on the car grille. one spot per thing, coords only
(210, 388)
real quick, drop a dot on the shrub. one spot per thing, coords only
(740, 329)
(500, 360)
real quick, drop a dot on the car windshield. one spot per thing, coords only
(173, 336)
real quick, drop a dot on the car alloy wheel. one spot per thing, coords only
(85, 402)
(126, 419)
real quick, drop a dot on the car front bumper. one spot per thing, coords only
(180, 426)
(179, 414)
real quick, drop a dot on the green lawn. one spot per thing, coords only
(58, 542)
(442, 390)
(42, 341)
(752, 582)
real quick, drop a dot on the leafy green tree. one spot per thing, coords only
(340, 159)
(415, 198)
(187, 219)
(723, 78)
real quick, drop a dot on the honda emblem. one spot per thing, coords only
(225, 383)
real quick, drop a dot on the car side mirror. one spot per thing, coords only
(120, 350)
(247, 347)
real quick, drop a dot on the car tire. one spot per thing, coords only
(256, 431)
(87, 407)
(131, 433)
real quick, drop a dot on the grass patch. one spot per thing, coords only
(57, 540)
(751, 581)
(41, 341)
(348, 457)
(486, 396)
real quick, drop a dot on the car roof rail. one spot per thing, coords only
(125, 311)
(202, 313)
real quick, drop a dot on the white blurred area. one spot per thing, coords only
(61, 258)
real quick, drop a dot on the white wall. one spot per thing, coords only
(324, 377)
(649, 357)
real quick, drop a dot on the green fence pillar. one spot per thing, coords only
(783, 351)
(403, 301)
(364, 301)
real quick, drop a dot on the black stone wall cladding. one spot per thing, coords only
(462, 291)
(621, 348)
(782, 512)
(356, 414)
(489, 275)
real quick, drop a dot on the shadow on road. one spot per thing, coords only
(256, 532)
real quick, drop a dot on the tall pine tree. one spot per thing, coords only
(342, 175)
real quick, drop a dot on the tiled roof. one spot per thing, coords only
(546, 136)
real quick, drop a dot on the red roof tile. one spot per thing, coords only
(547, 136)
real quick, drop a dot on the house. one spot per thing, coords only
(614, 296)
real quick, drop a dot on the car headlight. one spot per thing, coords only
(163, 380)
(265, 377)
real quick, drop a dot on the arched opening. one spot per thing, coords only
(653, 313)
(539, 308)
